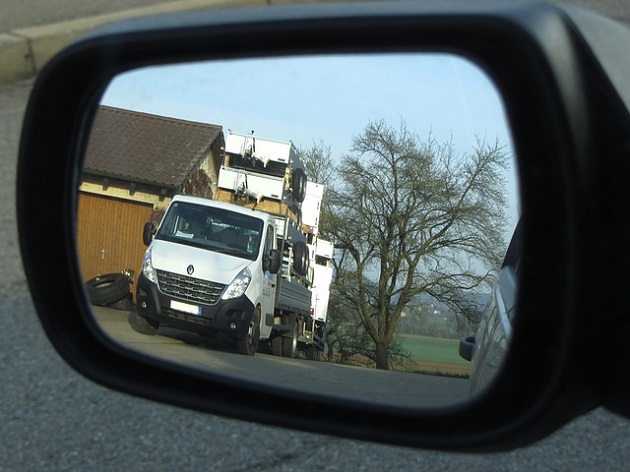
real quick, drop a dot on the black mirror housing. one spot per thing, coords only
(554, 87)
(148, 233)
(467, 347)
(274, 261)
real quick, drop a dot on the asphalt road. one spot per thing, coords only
(339, 381)
(26, 13)
(53, 419)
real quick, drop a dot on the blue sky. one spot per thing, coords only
(329, 98)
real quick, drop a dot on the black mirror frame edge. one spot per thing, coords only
(549, 82)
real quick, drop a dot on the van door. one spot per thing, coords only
(269, 283)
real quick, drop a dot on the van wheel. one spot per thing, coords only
(289, 343)
(312, 353)
(276, 345)
(249, 345)
(142, 325)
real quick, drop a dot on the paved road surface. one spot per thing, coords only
(53, 419)
(25, 13)
(340, 381)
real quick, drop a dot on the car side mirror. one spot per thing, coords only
(148, 233)
(566, 101)
(467, 347)
(273, 261)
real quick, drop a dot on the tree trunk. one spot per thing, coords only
(382, 356)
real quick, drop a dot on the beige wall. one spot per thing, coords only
(119, 189)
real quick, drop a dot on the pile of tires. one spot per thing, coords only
(110, 290)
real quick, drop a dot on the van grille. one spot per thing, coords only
(189, 288)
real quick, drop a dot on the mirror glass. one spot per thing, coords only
(328, 223)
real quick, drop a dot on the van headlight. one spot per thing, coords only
(147, 267)
(238, 286)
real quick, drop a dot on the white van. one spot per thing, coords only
(213, 268)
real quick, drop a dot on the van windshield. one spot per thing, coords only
(212, 228)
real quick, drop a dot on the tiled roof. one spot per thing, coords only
(144, 148)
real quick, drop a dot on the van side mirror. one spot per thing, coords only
(273, 261)
(148, 233)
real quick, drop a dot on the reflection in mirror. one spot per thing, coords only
(329, 223)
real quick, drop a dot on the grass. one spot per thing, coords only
(436, 356)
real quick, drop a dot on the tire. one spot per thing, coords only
(249, 344)
(312, 353)
(124, 304)
(300, 258)
(276, 346)
(298, 214)
(298, 185)
(107, 289)
(289, 343)
(142, 325)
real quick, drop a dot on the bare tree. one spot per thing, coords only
(349, 342)
(318, 162)
(410, 218)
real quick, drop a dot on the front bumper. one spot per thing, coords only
(227, 317)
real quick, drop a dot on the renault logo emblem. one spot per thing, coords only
(190, 269)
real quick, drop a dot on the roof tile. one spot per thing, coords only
(144, 148)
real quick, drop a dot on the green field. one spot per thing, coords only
(435, 354)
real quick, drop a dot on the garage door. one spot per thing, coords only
(110, 234)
